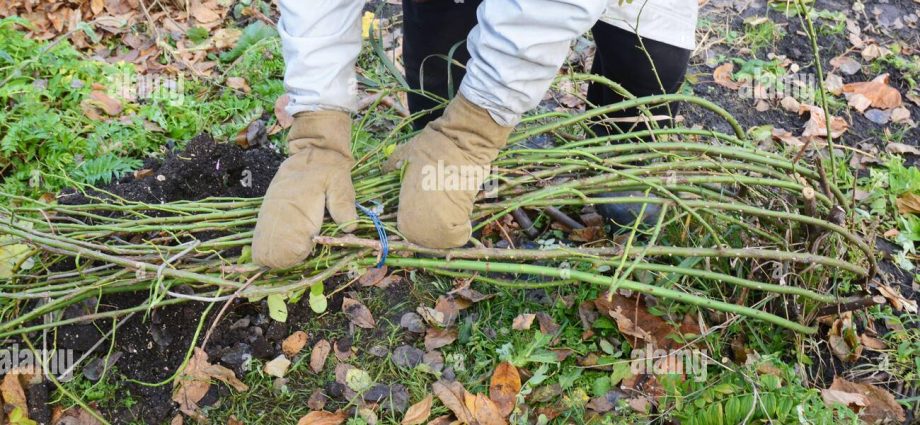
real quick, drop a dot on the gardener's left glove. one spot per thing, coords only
(316, 177)
(446, 165)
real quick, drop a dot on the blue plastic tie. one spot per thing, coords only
(381, 233)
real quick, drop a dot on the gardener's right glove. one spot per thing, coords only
(316, 177)
(447, 162)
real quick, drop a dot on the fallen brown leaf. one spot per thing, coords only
(437, 338)
(548, 326)
(788, 139)
(453, 396)
(844, 340)
(880, 406)
(419, 412)
(322, 417)
(878, 92)
(292, 345)
(483, 410)
(103, 102)
(633, 319)
(284, 119)
(318, 357)
(317, 400)
(238, 83)
(901, 148)
(469, 294)
(204, 14)
(817, 123)
(897, 301)
(358, 313)
(13, 394)
(195, 381)
(372, 276)
(443, 420)
(523, 321)
(852, 400)
(78, 416)
(722, 76)
(909, 203)
(872, 342)
(504, 387)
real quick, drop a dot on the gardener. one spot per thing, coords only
(513, 50)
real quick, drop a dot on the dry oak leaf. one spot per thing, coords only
(318, 355)
(722, 76)
(196, 378)
(880, 94)
(358, 313)
(817, 123)
(322, 417)
(419, 412)
(292, 345)
(504, 387)
(880, 405)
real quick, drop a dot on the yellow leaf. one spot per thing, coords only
(367, 21)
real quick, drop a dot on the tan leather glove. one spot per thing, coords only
(316, 177)
(435, 206)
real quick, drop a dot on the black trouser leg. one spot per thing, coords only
(431, 28)
(620, 57)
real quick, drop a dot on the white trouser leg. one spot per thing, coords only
(668, 21)
(517, 49)
(320, 41)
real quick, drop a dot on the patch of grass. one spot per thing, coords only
(902, 359)
(46, 131)
(767, 391)
(761, 33)
(830, 23)
(108, 393)
(907, 68)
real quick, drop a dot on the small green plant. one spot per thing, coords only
(760, 33)
(830, 22)
(908, 68)
(48, 140)
(749, 395)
